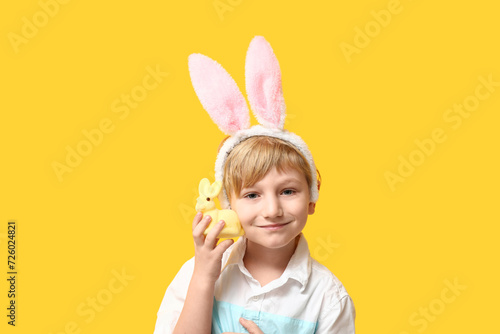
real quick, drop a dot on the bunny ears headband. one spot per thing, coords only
(221, 98)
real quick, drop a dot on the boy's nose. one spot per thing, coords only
(272, 208)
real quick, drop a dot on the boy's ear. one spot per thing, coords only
(312, 208)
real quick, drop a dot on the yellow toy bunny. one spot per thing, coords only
(205, 203)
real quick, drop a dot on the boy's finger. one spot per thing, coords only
(199, 229)
(211, 239)
(250, 326)
(223, 246)
(197, 219)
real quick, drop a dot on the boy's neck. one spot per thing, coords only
(267, 264)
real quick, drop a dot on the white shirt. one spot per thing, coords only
(307, 298)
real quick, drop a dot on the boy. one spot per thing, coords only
(268, 276)
(266, 282)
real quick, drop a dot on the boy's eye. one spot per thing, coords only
(251, 196)
(288, 192)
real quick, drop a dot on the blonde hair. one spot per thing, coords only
(254, 157)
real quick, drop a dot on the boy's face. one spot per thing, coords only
(274, 210)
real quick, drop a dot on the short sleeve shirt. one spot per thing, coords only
(307, 298)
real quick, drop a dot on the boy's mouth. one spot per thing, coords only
(274, 227)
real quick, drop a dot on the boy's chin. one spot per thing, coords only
(273, 241)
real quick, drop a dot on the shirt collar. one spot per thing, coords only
(298, 268)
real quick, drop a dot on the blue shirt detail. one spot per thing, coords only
(225, 318)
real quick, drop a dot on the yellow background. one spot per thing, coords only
(126, 206)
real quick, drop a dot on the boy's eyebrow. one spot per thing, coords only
(279, 183)
(290, 179)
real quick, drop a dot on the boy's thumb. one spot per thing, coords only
(250, 326)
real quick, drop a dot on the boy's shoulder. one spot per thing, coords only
(323, 275)
(323, 279)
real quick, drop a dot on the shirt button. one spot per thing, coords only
(255, 298)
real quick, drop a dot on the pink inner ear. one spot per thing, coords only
(263, 83)
(219, 94)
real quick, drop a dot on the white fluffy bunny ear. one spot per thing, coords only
(219, 94)
(263, 84)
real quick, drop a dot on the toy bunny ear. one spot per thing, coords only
(204, 187)
(219, 94)
(215, 189)
(263, 84)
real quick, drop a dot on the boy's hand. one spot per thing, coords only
(249, 325)
(208, 255)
